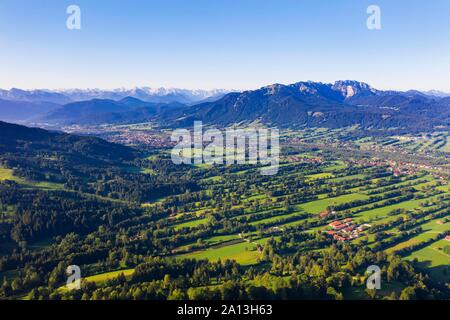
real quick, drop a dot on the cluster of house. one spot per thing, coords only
(399, 168)
(369, 162)
(139, 137)
(346, 229)
(305, 159)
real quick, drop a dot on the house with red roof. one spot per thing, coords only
(324, 214)
(339, 238)
(335, 224)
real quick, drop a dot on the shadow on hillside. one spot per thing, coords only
(439, 273)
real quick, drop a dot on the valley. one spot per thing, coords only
(354, 195)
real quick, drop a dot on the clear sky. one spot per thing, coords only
(238, 44)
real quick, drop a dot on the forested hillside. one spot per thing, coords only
(141, 227)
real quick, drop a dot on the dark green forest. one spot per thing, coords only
(223, 232)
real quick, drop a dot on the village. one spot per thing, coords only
(347, 229)
(399, 168)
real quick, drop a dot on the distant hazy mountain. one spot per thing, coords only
(34, 96)
(101, 111)
(18, 105)
(158, 95)
(343, 103)
(16, 111)
(437, 93)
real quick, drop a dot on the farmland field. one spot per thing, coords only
(324, 201)
(7, 174)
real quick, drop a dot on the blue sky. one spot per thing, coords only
(239, 44)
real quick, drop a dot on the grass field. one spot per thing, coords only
(221, 247)
(434, 259)
(446, 147)
(433, 254)
(258, 208)
(191, 224)
(318, 206)
(323, 175)
(383, 212)
(244, 253)
(232, 215)
(99, 279)
(102, 277)
(7, 174)
(430, 230)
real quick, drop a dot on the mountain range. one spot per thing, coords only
(315, 104)
(156, 95)
(18, 105)
(19, 110)
(302, 104)
(101, 111)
